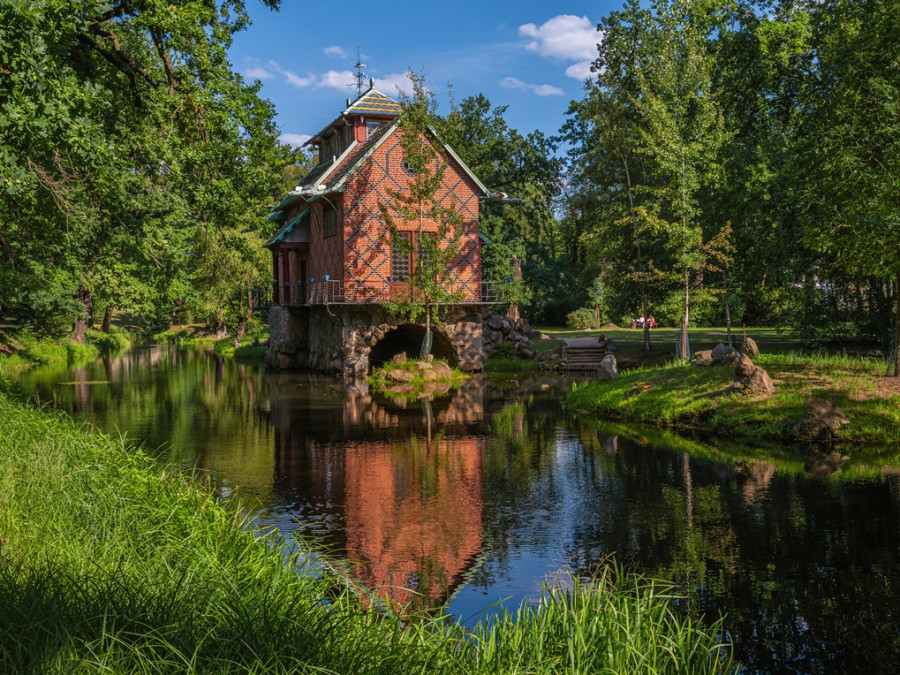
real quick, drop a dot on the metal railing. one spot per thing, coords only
(332, 291)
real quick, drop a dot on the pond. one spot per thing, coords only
(493, 490)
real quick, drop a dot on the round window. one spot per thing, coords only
(407, 168)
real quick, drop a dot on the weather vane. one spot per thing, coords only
(360, 76)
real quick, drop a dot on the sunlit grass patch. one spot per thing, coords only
(679, 394)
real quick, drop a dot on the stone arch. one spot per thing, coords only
(407, 338)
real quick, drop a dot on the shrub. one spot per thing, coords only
(581, 319)
(109, 343)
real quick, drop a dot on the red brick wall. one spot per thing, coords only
(367, 248)
(326, 253)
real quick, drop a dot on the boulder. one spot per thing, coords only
(400, 375)
(523, 326)
(749, 347)
(702, 358)
(723, 355)
(492, 335)
(608, 369)
(495, 322)
(399, 358)
(822, 419)
(751, 379)
(442, 369)
(745, 367)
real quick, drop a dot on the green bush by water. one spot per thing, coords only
(109, 563)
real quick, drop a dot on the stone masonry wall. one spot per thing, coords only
(339, 339)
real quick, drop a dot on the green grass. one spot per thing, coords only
(509, 364)
(684, 396)
(184, 335)
(380, 377)
(110, 563)
(27, 349)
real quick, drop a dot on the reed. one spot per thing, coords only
(110, 563)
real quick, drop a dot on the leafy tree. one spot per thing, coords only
(123, 129)
(684, 130)
(852, 142)
(526, 169)
(417, 207)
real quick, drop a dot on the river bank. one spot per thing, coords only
(694, 398)
(111, 562)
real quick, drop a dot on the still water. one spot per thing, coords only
(490, 491)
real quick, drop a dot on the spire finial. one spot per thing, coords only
(360, 76)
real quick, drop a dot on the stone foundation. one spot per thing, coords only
(338, 339)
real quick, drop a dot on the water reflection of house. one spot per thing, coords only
(413, 515)
(407, 511)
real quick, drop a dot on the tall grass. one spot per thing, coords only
(110, 564)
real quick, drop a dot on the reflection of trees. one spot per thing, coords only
(806, 570)
(184, 404)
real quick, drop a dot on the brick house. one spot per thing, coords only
(332, 246)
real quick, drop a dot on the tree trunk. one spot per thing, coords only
(646, 316)
(85, 321)
(897, 326)
(727, 310)
(107, 318)
(426, 342)
(241, 328)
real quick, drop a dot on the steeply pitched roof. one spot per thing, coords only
(330, 175)
(285, 229)
(346, 167)
(372, 103)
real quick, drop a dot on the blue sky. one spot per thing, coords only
(530, 56)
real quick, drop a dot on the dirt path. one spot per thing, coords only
(581, 342)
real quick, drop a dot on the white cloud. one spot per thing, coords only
(580, 71)
(336, 79)
(388, 84)
(569, 37)
(546, 90)
(333, 79)
(258, 73)
(295, 140)
(335, 51)
(539, 89)
(566, 37)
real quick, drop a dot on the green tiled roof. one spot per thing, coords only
(285, 229)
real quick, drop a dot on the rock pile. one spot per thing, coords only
(720, 355)
(498, 328)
